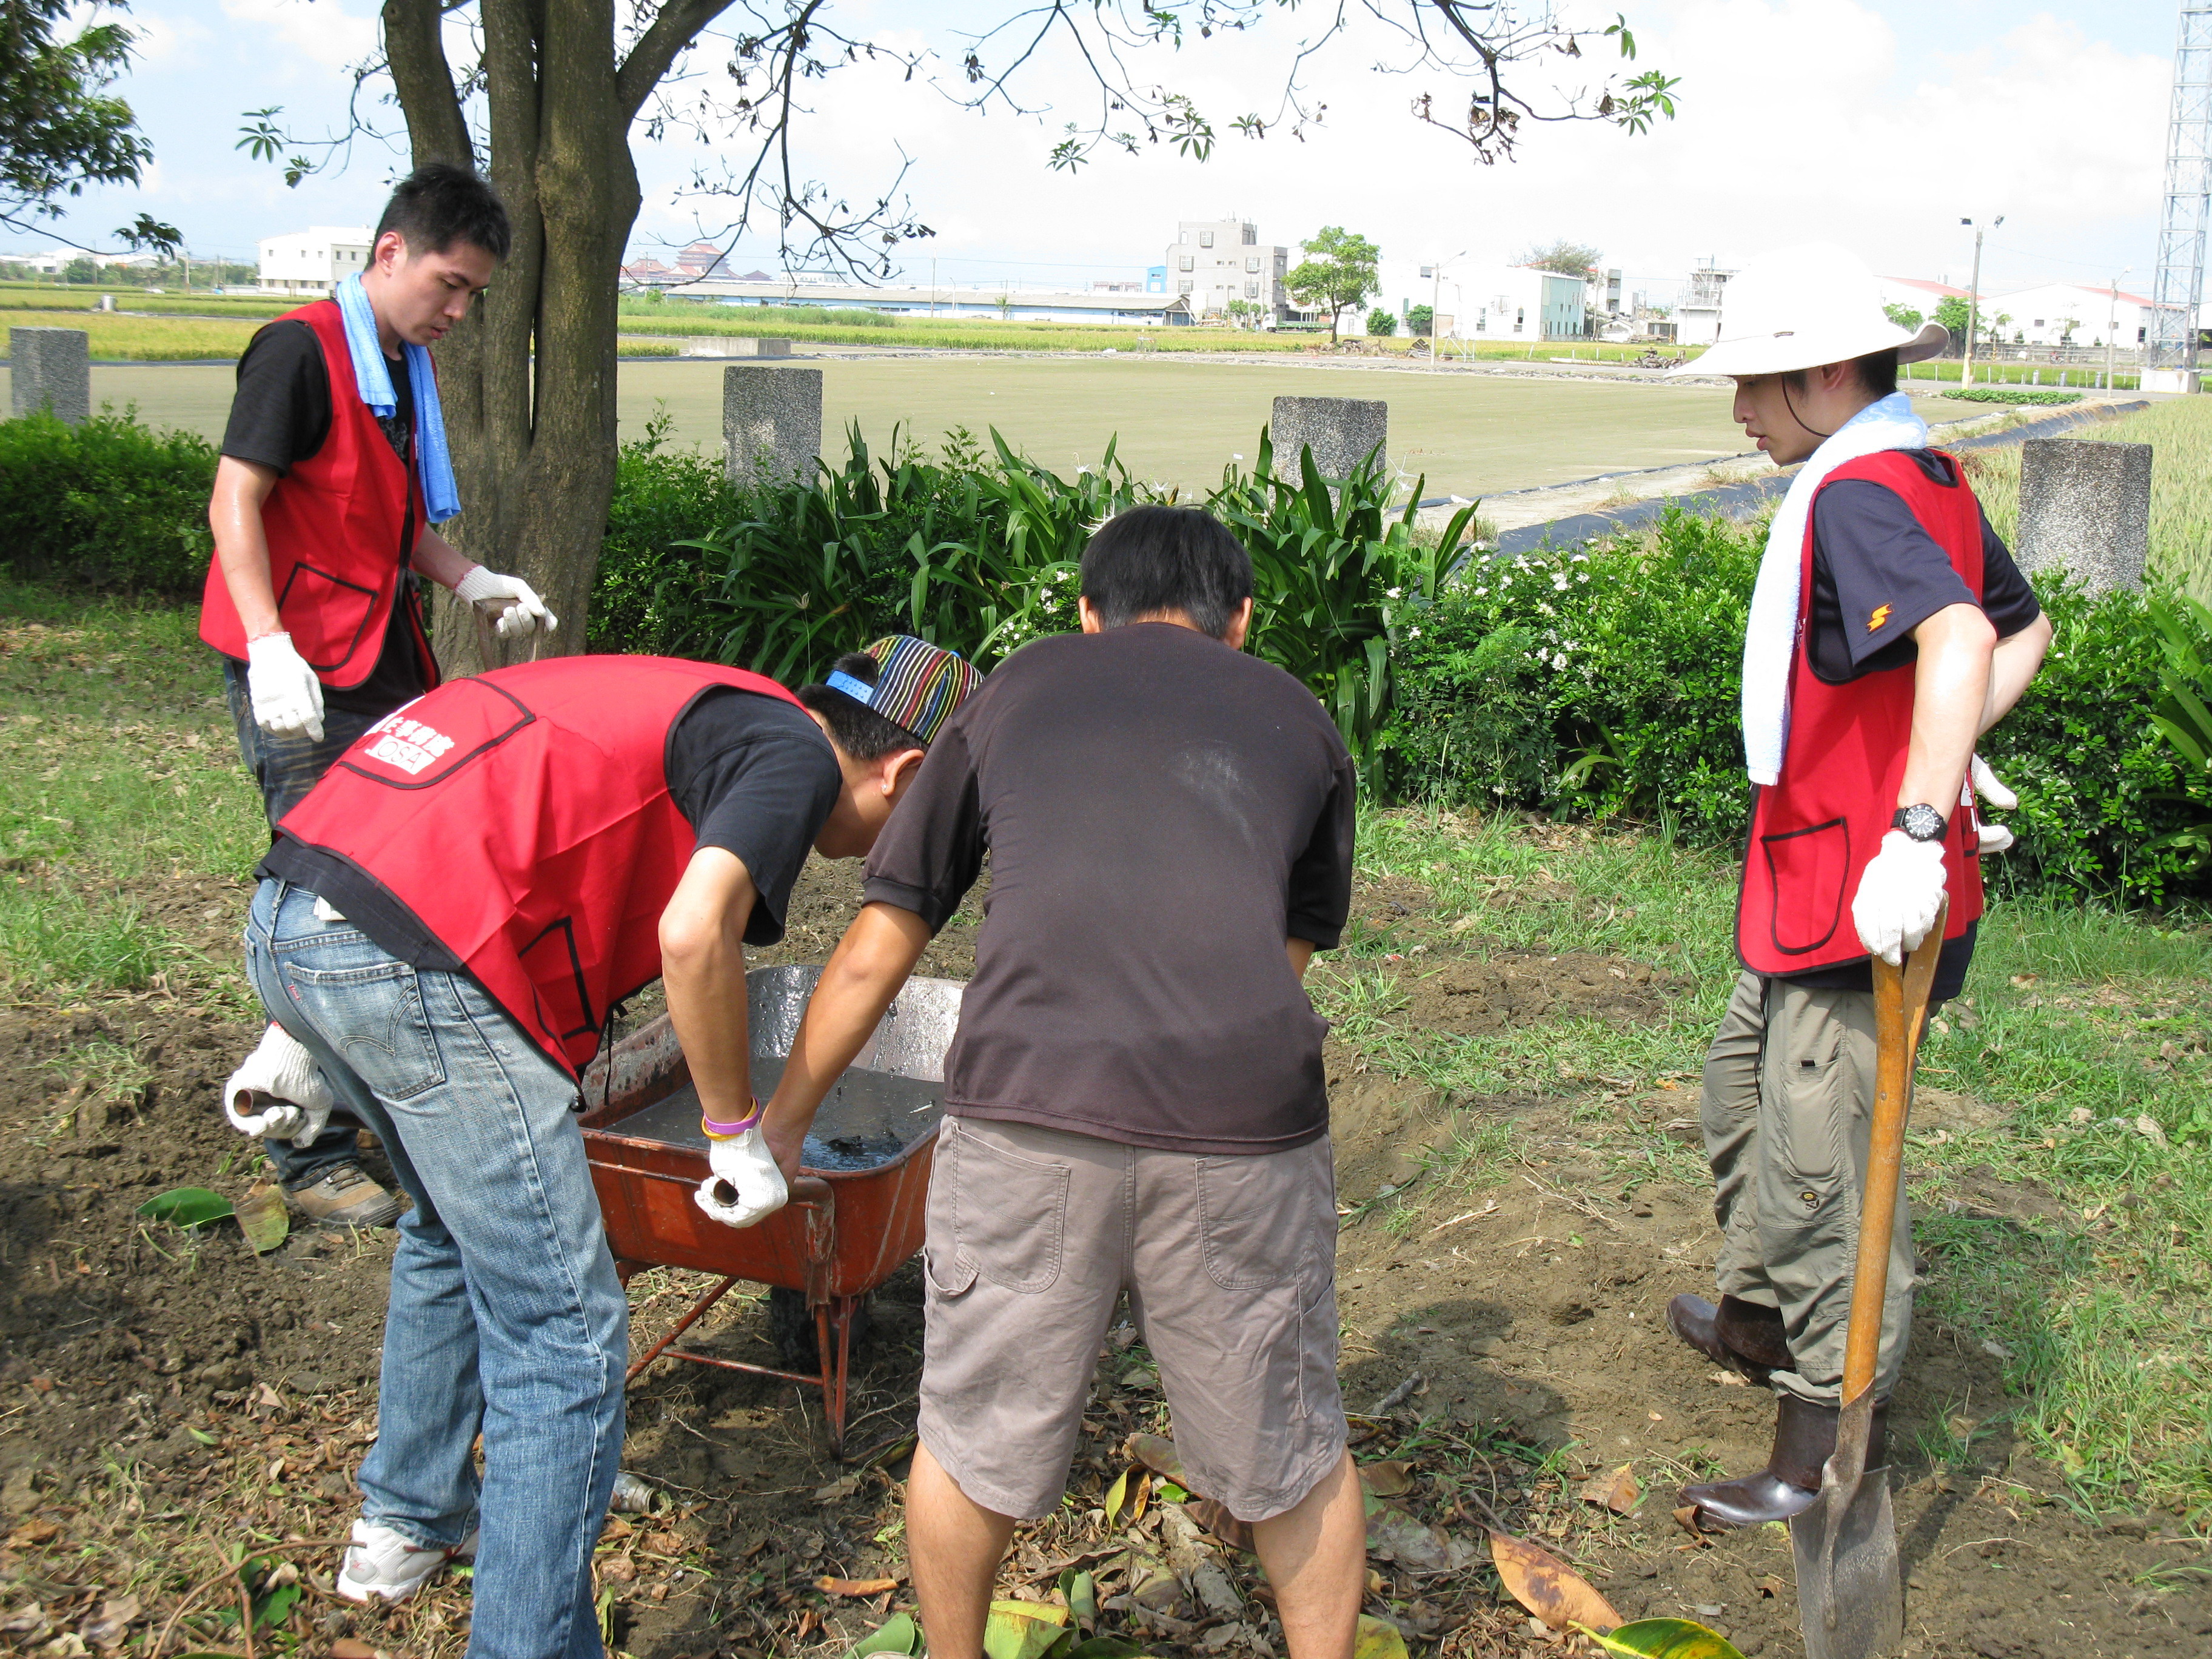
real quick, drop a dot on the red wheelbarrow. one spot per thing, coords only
(856, 1211)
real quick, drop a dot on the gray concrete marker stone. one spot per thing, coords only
(2085, 508)
(771, 421)
(1341, 432)
(51, 368)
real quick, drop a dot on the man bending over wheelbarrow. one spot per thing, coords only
(444, 924)
(1135, 1099)
(1889, 628)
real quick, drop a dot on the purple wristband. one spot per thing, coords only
(727, 1131)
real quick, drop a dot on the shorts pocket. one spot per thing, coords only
(1319, 1391)
(1256, 1218)
(1009, 1215)
(372, 1016)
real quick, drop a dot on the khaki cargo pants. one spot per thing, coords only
(1789, 1084)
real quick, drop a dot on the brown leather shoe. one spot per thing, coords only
(347, 1197)
(1741, 1335)
(1804, 1436)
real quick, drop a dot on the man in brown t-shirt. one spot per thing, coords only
(1134, 1098)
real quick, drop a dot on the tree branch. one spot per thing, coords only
(676, 26)
(415, 46)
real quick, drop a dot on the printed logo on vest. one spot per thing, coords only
(408, 744)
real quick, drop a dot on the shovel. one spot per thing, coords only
(1851, 1603)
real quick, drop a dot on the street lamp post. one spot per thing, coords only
(1974, 300)
(2112, 325)
(1435, 273)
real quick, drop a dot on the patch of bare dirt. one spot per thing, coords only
(158, 1395)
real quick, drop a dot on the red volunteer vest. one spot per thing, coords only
(1814, 832)
(334, 524)
(523, 816)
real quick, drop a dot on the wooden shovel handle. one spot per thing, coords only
(1900, 1005)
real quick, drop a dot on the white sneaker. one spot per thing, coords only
(384, 1563)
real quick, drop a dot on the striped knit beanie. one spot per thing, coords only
(918, 684)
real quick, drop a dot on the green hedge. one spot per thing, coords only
(1603, 683)
(2011, 394)
(109, 505)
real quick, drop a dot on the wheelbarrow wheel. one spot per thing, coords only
(791, 1322)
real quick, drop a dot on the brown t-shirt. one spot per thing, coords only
(1162, 813)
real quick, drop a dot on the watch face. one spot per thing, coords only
(1922, 821)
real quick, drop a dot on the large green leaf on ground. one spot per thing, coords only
(1664, 1639)
(1022, 1630)
(896, 1635)
(186, 1206)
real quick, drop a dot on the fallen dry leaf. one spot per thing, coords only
(838, 1490)
(1158, 1453)
(1772, 1586)
(1217, 1520)
(1686, 1518)
(1731, 1379)
(829, 1586)
(32, 1532)
(351, 1647)
(1617, 1491)
(1391, 1479)
(1547, 1587)
(112, 1624)
(617, 1569)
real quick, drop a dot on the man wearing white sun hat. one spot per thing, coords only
(1889, 628)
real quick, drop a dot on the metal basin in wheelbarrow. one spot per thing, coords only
(857, 1211)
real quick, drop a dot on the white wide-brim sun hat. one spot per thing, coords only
(1799, 307)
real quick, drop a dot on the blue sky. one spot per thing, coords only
(1877, 122)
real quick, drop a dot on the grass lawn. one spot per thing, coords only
(2083, 1035)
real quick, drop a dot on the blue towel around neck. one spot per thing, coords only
(373, 380)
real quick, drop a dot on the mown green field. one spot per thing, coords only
(1175, 420)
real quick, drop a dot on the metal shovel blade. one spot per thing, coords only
(1851, 1603)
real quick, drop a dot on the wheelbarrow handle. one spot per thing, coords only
(1900, 1008)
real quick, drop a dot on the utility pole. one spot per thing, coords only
(1974, 300)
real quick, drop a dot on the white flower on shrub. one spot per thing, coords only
(1559, 582)
(1395, 592)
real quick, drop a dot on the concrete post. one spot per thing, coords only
(1341, 432)
(2085, 508)
(51, 368)
(771, 421)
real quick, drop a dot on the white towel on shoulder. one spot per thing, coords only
(1770, 636)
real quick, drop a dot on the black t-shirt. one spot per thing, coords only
(752, 774)
(279, 417)
(1161, 813)
(1872, 559)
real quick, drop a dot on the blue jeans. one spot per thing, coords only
(506, 1317)
(284, 770)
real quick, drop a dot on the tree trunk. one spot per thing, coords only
(533, 432)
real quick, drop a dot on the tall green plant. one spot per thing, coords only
(1336, 578)
(2185, 718)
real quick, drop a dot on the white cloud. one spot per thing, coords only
(323, 32)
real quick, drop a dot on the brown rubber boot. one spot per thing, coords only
(1741, 1335)
(347, 1197)
(1804, 1436)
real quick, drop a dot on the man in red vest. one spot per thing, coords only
(333, 470)
(445, 924)
(1889, 628)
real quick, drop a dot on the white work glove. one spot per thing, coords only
(287, 698)
(510, 599)
(1898, 896)
(745, 1184)
(279, 1091)
(1980, 780)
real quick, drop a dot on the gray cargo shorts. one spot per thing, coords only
(1230, 1264)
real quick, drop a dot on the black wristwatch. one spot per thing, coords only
(1921, 822)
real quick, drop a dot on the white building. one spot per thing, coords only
(1698, 318)
(57, 260)
(1483, 302)
(1213, 261)
(2073, 313)
(313, 260)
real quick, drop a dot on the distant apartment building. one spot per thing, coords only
(1488, 302)
(313, 260)
(1214, 261)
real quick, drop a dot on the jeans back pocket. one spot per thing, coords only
(372, 1016)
